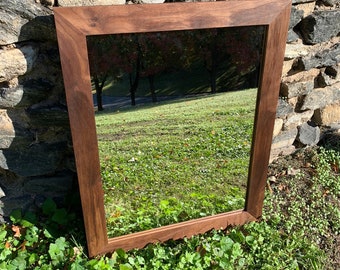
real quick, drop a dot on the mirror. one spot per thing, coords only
(187, 155)
(75, 24)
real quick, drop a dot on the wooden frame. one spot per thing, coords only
(74, 24)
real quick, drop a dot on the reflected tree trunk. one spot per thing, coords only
(152, 87)
(99, 91)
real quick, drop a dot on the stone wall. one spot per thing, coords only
(309, 102)
(36, 156)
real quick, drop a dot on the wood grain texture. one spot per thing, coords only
(76, 74)
(179, 230)
(267, 99)
(73, 24)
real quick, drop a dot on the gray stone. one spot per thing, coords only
(320, 26)
(301, 83)
(284, 139)
(10, 97)
(295, 119)
(34, 160)
(296, 88)
(7, 132)
(24, 20)
(301, 1)
(283, 108)
(320, 97)
(296, 50)
(295, 17)
(26, 94)
(15, 62)
(10, 204)
(333, 72)
(329, 3)
(61, 183)
(309, 134)
(323, 79)
(49, 116)
(292, 36)
(322, 55)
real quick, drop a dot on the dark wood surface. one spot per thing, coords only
(73, 24)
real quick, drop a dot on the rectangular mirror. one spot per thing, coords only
(186, 156)
(145, 176)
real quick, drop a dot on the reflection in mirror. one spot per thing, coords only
(183, 151)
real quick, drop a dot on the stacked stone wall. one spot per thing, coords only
(36, 155)
(309, 104)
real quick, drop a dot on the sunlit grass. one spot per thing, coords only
(175, 161)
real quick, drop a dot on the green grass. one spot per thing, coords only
(290, 236)
(175, 161)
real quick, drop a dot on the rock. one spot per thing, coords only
(329, 3)
(46, 3)
(278, 124)
(284, 151)
(55, 115)
(293, 171)
(284, 139)
(22, 202)
(296, 50)
(296, 88)
(10, 97)
(295, 17)
(35, 159)
(321, 55)
(309, 134)
(287, 67)
(301, 83)
(307, 8)
(23, 20)
(15, 62)
(328, 115)
(301, 1)
(292, 36)
(321, 97)
(323, 79)
(283, 108)
(65, 3)
(2, 193)
(320, 26)
(293, 101)
(296, 119)
(7, 132)
(31, 91)
(61, 182)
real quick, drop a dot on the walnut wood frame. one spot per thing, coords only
(74, 24)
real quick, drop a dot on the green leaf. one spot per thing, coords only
(3, 235)
(16, 216)
(49, 207)
(29, 219)
(57, 250)
(60, 216)
(125, 266)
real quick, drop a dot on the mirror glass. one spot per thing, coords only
(174, 117)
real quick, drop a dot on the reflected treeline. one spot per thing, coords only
(219, 60)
